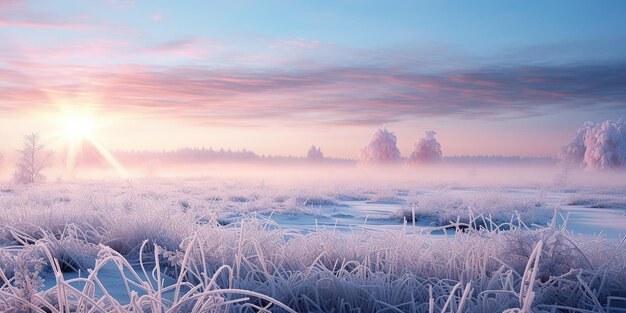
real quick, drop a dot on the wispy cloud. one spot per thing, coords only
(188, 47)
(341, 95)
(40, 24)
(11, 4)
(120, 4)
(157, 15)
(295, 43)
(15, 13)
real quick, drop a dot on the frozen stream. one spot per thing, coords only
(354, 215)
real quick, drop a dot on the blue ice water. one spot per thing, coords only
(355, 215)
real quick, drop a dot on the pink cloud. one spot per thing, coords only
(331, 94)
(192, 47)
(40, 24)
(10, 4)
(157, 16)
(16, 14)
(297, 43)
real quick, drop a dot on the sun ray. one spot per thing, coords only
(70, 160)
(110, 158)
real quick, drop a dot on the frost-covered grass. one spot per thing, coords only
(54, 206)
(598, 201)
(165, 248)
(442, 209)
(254, 265)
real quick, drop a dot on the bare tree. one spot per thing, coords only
(32, 159)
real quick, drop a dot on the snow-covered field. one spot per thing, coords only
(199, 245)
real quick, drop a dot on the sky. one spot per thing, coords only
(490, 77)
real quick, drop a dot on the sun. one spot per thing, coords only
(77, 128)
(78, 125)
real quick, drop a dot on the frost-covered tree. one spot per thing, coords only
(426, 150)
(315, 154)
(381, 149)
(597, 146)
(32, 159)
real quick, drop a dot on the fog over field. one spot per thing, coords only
(228, 236)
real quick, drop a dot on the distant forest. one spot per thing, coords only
(206, 155)
(90, 157)
(203, 155)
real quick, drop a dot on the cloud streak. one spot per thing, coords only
(15, 13)
(344, 95)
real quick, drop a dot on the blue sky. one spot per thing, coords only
(481, 27)
(489, 76)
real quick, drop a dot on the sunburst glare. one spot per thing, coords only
(78, 125)
(78, 128)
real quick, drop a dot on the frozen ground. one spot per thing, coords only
(230, 245)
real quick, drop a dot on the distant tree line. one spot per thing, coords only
(497, 159)
(204, 155)
(187, 155)
(33, 157)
